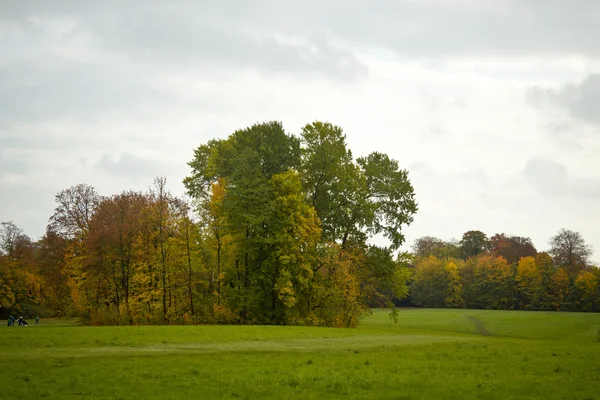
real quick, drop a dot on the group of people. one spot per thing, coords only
(20, 321)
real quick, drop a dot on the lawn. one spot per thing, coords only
(428, 354)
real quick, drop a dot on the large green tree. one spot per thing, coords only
(286, 215)
(474, 243)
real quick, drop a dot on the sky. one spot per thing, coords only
(492, 106)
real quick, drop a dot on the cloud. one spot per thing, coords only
(113, 93)
(136, 168)
(33, 91)
(190, 34)
(580, 99)
(552, 179)
(432, 29)
(171, 36)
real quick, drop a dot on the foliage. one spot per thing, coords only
(474, 243)
(436, 283)
(487, 280)
(487, 283)
(512, 248)
(281, 236)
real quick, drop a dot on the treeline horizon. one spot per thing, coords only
(277, 230)
(505, 272)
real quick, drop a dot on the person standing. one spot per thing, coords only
(37, 319)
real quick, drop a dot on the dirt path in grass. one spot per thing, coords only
(481, 329)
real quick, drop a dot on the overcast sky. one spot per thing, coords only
(492, 106)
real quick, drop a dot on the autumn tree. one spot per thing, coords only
(74, 211)
(52, 248)
(20, 281)
(559, 289)
(512, 248)
(529, 281)
(546, 270)
(112, 241)
(436, 283)
(585, 293)
(487, 283)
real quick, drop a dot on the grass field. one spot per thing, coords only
(428, 354)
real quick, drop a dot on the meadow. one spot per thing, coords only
(428, 354)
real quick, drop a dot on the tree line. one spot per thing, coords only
(276, 229)
(505, 272)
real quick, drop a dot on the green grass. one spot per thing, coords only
(429, 354)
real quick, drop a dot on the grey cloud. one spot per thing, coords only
(464, 27)
(436, 28)
(30, 91)
(553, 179)
(198, 33)
(176, 36)
(580, 99)
(138, 168)
(17, 167)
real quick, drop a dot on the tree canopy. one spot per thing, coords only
(298, 214)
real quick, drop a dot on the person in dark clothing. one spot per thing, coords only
(37, 319)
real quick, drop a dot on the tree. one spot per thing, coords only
(51, 258)
(569, 250)
(559, 288)
(587, 288)
(487, 283)
(20, 281)
(76, 206)
(432, 246)
(332, 182)
(389, 195)
(114, 231)
(290, 247)
(275, 210)
(474, 243)
(354, 200)
(436, 283)
(512, 248)
(162, 200)
(528, 281)
(546, 269)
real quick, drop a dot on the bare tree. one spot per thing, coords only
(11, 236)
(72, 216)
(568, 250)
(162, 199)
